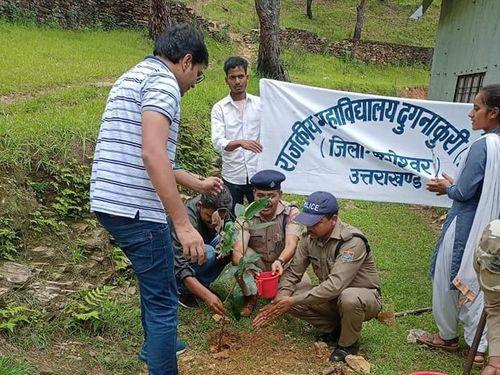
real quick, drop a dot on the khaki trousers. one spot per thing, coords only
(348, 311)
(492, 307)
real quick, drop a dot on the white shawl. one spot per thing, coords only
(487, 210)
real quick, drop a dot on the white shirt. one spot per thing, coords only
(229, 124)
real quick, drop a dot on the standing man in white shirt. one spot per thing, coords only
(236, 131)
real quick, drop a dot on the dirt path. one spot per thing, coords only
(243, 42)
(19, 97)
(245, 47)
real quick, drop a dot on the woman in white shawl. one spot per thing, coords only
(476, 201)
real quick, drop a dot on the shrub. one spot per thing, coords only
(11, 316)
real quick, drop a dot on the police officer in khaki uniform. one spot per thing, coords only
(275, 244)
(349, 290)
(487, 265)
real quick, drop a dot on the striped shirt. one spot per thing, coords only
(120, 184)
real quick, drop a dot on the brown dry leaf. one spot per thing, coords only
(320, 347)
(219, 318)
(358, 363)
(335, 369)
(440, 219)
(221, 355)
(387, 317)
(186, 358)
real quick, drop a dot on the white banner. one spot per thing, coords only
(359, 146)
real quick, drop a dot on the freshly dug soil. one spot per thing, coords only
(230, 340)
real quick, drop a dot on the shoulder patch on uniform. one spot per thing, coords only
(346, 255)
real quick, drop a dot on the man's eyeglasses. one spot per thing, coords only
(200, 78)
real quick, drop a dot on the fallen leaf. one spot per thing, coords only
(221, 355)
(219, 318)
(413, 334)
(335, 369)
(186, 358)
(358, 363)
(320, 347)
(440, 219)
(387, 317)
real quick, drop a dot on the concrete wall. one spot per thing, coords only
(467, 42)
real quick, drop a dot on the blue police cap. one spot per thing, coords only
(267, 180)
(317, 205)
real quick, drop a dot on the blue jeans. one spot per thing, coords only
(148, 245)
(208, 271)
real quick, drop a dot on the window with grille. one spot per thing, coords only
(467, 87)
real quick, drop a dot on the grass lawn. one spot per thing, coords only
(43, 58)
(49, 120)
(61, 123)
(386, 20)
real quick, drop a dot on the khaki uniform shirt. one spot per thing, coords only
(353, 267)
(269, 242)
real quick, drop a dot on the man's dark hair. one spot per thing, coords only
(214, 202)
(180, 40)
(234, 62)
(329, 216)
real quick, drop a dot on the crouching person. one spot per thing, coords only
(487, 265)
(275, 244)
(206, 213)
(349, 290)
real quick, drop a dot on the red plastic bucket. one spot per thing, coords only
(428, 373)
(267, 284)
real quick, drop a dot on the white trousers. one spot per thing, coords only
(446, 303)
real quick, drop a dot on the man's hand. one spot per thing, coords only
(211, 186)
(270, 312)
(193, 247)
(440, 185)
(253, 146)
(215, 304)
(277, 267)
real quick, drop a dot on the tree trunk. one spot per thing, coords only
(309, 9)
(159, 19)
(269, 64)
(360, 18)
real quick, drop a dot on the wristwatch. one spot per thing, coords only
(281, 261)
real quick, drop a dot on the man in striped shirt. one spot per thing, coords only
(133, 180)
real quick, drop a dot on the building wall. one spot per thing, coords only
(467, 42)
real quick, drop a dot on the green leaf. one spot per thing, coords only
(230, 234)
(255, 207)
(250, 258)
(227, 274)
(261, 225)
(250, 283)
(9, 326)
(87, 316)
(253, 267)
(239, 210)
(237, 302)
